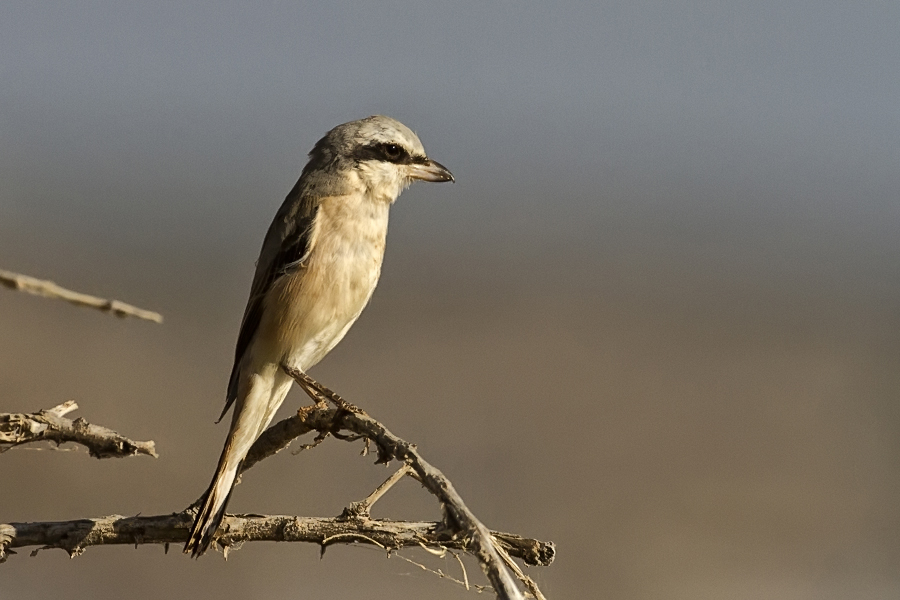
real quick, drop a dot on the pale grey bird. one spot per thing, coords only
(317, 269)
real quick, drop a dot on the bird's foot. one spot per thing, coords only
(319, 393)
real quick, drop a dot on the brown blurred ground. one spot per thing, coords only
(682, 421)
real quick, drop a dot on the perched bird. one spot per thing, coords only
(317, 269)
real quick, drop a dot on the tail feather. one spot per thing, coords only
(253, 413)
(212, 511)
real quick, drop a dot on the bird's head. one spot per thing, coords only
(379, 153)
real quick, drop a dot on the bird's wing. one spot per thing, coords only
(287, 245)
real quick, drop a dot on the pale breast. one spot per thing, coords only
(319, 302)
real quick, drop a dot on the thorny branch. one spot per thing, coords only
(77, 535)
(459, 530)
(48, 289)
(457, 515)
(50, 425)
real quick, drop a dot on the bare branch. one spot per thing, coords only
(459, 518)
(48, 289)
(276, 438)
(459, 530)
(361, 509)
(76, 536)
(51, 425)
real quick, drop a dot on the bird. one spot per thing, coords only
(319, 264)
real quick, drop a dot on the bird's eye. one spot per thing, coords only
(392, 151)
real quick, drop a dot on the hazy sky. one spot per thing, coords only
(761, 133)
(134, 103)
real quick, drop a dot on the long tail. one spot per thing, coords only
(213, 509)
(252, 415)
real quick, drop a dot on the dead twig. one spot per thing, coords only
(459, 530)
(464, 582)
(48, 289)
(77, 535)
(460, 520)
(361, 509)
(50, 425)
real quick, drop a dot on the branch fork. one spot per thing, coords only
(460, 530)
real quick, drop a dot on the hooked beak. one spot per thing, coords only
(430, 170)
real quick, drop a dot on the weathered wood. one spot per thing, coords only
(50, 425)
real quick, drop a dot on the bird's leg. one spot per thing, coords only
(313, 393)
(318, 392)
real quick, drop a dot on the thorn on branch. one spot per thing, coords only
(459, 518)
(459, 530)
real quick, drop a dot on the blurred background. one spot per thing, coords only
(655, 320)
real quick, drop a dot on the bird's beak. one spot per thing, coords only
(430, 171)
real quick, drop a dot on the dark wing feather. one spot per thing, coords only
(287, 245)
